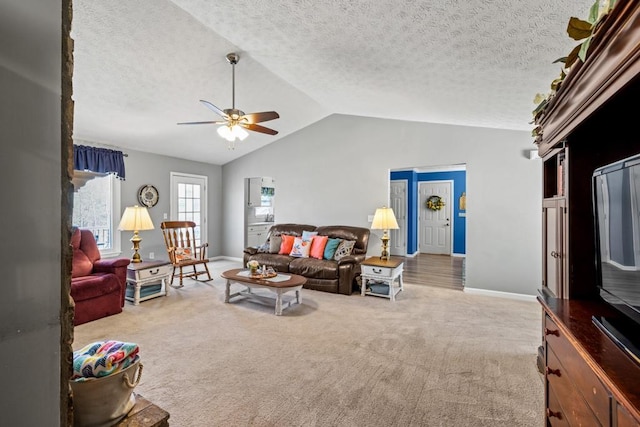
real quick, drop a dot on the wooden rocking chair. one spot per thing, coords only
(179, 237)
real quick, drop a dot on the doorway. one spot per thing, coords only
(398, 202)
(435, 226)
(189, 201)
(408, 205)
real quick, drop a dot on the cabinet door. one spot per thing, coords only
(553, 245)
(256, 238)
(254, 188)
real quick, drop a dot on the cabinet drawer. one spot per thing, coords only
(387, 272)
(573, 406)
(148, 273)
(257, 228)
(624, 418)
(575, 369)
(554, 414)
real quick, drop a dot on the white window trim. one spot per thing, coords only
(116, 250)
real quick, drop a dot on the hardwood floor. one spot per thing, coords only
(434, 270)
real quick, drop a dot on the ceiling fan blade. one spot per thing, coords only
(214, 109)
(203, 123)
(265, 116)
(258, 128)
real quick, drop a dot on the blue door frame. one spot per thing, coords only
(413, 177)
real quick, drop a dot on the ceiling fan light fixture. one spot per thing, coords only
(235, 120)
(239, 132)
(225, 132)
(231, 133)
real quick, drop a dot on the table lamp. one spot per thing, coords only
(384, 219)
(135, 218)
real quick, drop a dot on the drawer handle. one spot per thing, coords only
(548, 331)
(154, 272)
(377, 271)
(552, 414)
(551, 371)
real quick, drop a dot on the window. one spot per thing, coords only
(96, 207)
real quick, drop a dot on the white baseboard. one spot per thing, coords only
(500, 294)
(224, 258)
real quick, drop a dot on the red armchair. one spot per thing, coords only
(97, 285)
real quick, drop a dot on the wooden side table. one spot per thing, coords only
(144, 274)
(386, 271)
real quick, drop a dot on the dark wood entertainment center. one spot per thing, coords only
(589, 123)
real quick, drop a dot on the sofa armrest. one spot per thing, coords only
(108, 265)
(352, 259)
(250, 250)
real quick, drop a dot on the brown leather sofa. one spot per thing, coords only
(322, 274)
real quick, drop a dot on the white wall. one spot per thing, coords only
(30, 62)
(336, 171)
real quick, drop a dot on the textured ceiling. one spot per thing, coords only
(141, 67)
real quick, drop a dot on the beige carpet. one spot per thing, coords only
(435, 357)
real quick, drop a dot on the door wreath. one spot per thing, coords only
(435, 203)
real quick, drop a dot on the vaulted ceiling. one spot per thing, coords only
(142, 66)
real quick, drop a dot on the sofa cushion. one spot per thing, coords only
(345, 232)
(93, 286)
(88, 245)
(279, 262)
(315, 268)
(81, 264)
(287, 244)
(75, 238)
(300, 248)
(291, 229)
(344, 249)
(274, 244)
(330, 248)
(317, 246)
(308, 235)
(183, 254)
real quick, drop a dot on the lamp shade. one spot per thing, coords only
(384, 219)
(135, 218)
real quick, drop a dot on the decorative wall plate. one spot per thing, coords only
(148, 196)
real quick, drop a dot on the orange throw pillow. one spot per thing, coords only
(287, 244)
(317, 246)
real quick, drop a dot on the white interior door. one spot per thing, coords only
(435, 226)
(398, 202)
(189, 202)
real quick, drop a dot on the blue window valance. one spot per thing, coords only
(100, 160)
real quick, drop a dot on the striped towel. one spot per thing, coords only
(100, 359)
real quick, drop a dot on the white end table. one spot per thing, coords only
(148, 273)
(386, 271)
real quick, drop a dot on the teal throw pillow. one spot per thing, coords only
(330, 248)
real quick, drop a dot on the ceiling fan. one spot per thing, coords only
(236, 121)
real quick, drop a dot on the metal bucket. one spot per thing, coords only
(103, 402)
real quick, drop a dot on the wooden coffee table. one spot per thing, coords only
(281, 284)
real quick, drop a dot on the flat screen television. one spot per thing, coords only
(616, 207)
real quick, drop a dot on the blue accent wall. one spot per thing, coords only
(459, 179)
